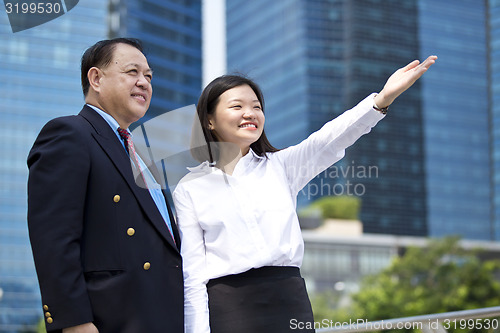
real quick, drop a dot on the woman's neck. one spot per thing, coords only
(229, 157)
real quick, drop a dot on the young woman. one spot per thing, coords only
(241, 241)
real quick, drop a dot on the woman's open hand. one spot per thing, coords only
(401, 80)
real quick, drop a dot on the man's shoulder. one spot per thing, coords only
(65, 133)
(66, 130)
(76, 122)
(69, 120)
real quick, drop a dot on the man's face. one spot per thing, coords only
(125, 85)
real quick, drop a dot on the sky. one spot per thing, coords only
(214, 40)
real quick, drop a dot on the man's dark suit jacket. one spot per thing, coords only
(102, 251)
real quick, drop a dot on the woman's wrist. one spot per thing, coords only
(380, 101)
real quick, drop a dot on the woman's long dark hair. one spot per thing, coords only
(207, 104)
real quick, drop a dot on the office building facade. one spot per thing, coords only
(171, 33)
(40, 80)
(456, 123)
(424, 170)
(493, 26)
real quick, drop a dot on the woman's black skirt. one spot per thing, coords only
(268, 299)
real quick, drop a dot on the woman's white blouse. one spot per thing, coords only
(230, 224)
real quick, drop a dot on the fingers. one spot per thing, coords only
(423, 67)
(429, 61)
(411, 65)
(415, 64)
(404, 78)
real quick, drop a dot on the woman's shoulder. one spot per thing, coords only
(194, 174)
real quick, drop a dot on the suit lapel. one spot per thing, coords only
(108, 141)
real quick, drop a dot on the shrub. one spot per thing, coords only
(338, 207)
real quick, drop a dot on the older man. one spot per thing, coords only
(106, 249)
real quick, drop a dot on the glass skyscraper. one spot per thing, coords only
(266, 41)
(287, 48)
(425, 169)
(455, 113)
(171, 33)
(40, 80)
(494, 99)
(342, 51)
(381, 36)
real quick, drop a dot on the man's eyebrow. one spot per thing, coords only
(139, 66)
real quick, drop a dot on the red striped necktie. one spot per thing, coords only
(129, 146)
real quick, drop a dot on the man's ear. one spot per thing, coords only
(94, 76)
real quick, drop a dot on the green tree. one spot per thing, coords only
(338, 207)
(441, 277)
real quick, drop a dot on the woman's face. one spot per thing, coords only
(238, 117)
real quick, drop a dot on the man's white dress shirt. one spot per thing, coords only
(232, 223)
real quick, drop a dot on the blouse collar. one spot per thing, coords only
(207, 167)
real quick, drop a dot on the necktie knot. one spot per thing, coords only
(125, 135)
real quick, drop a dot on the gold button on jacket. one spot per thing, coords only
(49, 320)
(116, 198)
(130, 231)
(147, 265)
